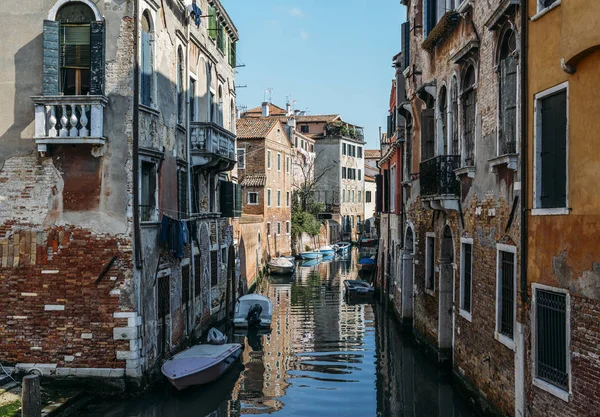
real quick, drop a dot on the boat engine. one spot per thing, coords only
(253, 316)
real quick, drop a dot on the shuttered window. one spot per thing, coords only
(553, 151)
(429, 15)
(212, 23)
(466, 277)
(454, 96)
(468, 125)
(443, 108)
(406, 44)
(146, 62)
(506, 290)
(148, 194)
(427, 134)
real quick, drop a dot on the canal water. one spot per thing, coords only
(325, 356)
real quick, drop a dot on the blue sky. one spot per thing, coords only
(331, 56)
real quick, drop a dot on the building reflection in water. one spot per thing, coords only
(324, 356)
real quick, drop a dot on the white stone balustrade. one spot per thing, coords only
(69, 120)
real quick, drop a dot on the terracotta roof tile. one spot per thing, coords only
(254, 128)
(257, 180)
(325, 118)
(257, 111)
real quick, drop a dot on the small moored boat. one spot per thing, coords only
(367, 264)
(311, 255)
(327, 250)
(343, 246)
(358, 287)
(200, 364)
(253, 311)
(282, 266)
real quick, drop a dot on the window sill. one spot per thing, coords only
(465, 315)
(149, 110)
(552, 389)
(510, 160)
(509, 343)
(430, 292)
(468, 171)
(550, 211)
(542, 12)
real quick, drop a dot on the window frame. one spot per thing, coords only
(287, 227)
(542, 10)
(278, 198)
(268, 228)
(368, 196)
(287, 199)
(287, 164)
(154, 162)
(152, 59)
(278, 161)
(537, 138)
(268, 159)
(467, 314)
(430, 268)
(505, 340)
(539, 383)
(269, 197)
(248, 198)
(237, 151)
(278, 228)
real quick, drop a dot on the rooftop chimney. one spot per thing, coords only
(288, 109)
(265, 109)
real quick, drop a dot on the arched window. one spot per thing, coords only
(409, 145)
(75, 20)
(146, 60)
(443, 121)
(507, 65)
(180, 86)
(468, 112)
(454, 96)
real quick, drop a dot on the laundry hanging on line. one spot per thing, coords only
(175, 234)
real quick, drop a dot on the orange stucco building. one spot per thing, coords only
(562, 191)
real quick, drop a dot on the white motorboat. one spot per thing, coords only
(200, 364)
(253, 311)
(282, 266)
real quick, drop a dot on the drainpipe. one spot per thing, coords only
(524, 154)
(137, 241)
(188, 185)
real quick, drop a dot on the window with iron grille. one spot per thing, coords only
(430, 263)
(197, 276)
(551, 338)
(466, 277)
(214, 268)
(185, 283)
(506, 293)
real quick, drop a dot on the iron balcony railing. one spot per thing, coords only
(212, 138)
(437, 176)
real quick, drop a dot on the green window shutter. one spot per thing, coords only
(97, 58)
(238, 201)
(51, 57)
(233, 54)
(212, 23)
(227, 198)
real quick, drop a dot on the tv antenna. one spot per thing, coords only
(269, 94)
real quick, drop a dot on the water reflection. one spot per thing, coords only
(324, 356)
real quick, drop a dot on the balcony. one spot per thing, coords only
(440, 189)
(213, 147)
(69, 120)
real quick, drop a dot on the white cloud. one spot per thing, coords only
(296, 12)
(303, 35)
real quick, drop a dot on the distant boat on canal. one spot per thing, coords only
(281, 266)
(327, 250)
(311, 255)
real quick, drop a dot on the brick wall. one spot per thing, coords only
(59, 309)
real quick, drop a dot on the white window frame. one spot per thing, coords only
(541, 384)
(506, 341)
(269, 197)
(268, 159)
(248, 198)
(278, 198)
(236, 154)
(541, 11)
(278, 161)
(278, 228)
(428, 255)
(537, 143)
(461, 311)
(287, 199)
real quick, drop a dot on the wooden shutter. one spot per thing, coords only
(426, 27)
(233, 54)
(97, 58)
(378, 193)
(429, 15)
(406, 44)
(227, 198)
(386, 191)
(238, 201)
(146, 70)
(508, 106)
(554, 151)
(51, 57)
(427, 134)
(212, 23)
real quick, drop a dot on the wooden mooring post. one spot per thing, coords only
(31, 397)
